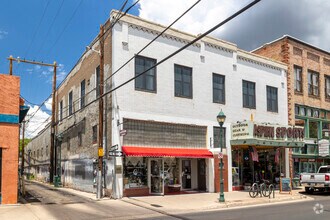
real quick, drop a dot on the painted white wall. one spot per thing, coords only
(200, 110)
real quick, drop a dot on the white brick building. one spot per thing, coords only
(170, 112)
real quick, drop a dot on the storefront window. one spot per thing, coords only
(311, 149)
(171, 171)
(135, 172)
(326, 130)
(313, 129)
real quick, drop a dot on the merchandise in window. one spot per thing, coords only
(135, 172)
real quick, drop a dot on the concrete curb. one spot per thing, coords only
(218, 206)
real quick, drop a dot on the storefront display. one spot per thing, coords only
(258, 152)
(135, 172)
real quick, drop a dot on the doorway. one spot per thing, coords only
(156, 176)
(201, 174)
(186, 174)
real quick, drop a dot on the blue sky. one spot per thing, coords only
(25, 32)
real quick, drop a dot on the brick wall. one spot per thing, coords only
(307, 57)
(9, 136)
(217, 173)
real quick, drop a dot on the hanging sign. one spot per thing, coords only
(323, 148)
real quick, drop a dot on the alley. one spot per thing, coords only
(47, 202)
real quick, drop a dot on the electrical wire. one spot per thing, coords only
(50, 27)
(65, 27)
(29, 101)
(36, 31)
(174, 53)
(184, 47)
(158, 35)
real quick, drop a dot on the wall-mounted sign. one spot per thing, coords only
(323, 148)
(241, 130)
(250, 129)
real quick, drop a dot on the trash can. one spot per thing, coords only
(57, 181)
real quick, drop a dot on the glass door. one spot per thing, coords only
(156, 176)
(186, 174)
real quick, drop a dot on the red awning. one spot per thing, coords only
(133, 151)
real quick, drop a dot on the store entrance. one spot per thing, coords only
(156, 176)
(250, 166)
(186, 174)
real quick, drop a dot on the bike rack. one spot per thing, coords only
(273, 190)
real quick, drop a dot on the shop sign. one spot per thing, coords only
(323, 148)
(249, 129)
(241, 130)
(272, 132)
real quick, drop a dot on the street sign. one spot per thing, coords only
(220, 155)
(122, 132)
(114, 147)
(100, 152)
(116, 153)
(323, 148)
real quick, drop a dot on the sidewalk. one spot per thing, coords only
(140, 207)
(209, 201)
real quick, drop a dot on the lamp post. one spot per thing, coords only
(221, 117)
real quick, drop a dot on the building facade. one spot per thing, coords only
(161, 132)
(308, 97)
(9, 137)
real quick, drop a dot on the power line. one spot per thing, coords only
(33, 37)
(65, 27)
(184, 47)
(29, 101)
(50, 27)
(158, 35)
(38, 108)
(115, 21)
(174, 53)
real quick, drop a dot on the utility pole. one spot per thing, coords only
(100, 145)
(22, 161)
(52, 135)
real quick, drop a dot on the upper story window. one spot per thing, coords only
(82, 93)
(249, 94)
(297, 78)
(147, 81)
(61, 110)
(327, 86)
(97, 81)
(313, 83)
(216, 137)
(219, 89)
(272, 99)
(70, 103)
(183, 81)
(94, 134)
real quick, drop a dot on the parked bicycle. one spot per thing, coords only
(263, 189)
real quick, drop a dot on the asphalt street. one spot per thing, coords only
(307, 210)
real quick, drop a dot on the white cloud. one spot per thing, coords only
(48, 103)
(3, 34)
(202, 17)
(37, 122)
(264, 22)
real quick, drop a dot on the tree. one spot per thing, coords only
(26, 141)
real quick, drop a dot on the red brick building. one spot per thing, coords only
(9, 137)
(308, 82)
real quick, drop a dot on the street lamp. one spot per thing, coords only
(221, 117)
